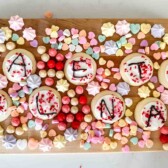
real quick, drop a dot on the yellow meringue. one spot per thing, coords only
(62, 85)
(108, 29)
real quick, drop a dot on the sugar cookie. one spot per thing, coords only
(5, 102)
(108, 106)
(136, 69)
(163, 74)
(150, 114)
(19, 64)
(45, 103)
(80, 69)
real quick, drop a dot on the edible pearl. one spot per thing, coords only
(41, 49)
(74, 109)
(10, 129)
(2, 48)
(42, 73)
(51, 73)
(74, 101)
(10, 45)
(19, 131)
(71, 93)
(59, 74)
(45, 57)
(88, 118)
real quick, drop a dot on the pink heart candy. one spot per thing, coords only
(74, 31)
(29, 116)
(128, 51)
(141, 51)
(53, 41)
(93, 42)
(154, 47)
(154, 79)
(61, 38)
(100, 71)
(160, 88)
(11, 90)
(144, 43)
(112, 87)
(34, 43)
(96, 49)
(82, 40)
(126, 148)
(141, 143)
(99, 78)
(132, 41)
(48, 31)
(163, 55)
(68, 55)
(16, 86)
(91, 35)
(117, 136)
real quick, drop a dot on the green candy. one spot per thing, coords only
(75, 41)
(89, 51)
(95, 56)
(118, 44)
(15, 37)
(123, 40)
(60, 46)
(31, 124)
(54, 46)
(46, 40)
(15, 102)
(101, 38)
(134, 140)
(135, 28)
(21, 93)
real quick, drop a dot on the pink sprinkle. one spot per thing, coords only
(100, 71)
(61, 38)
(154, 79)
(54, 121)
(141, 51)
(99, 78)
(115, 69)
(126, 148)
(45, 127)
(117, 129)
(106, 80)
(88, 128)
(141, 143)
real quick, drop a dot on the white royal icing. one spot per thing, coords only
(3, 105)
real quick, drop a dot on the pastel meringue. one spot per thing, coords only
(123, 88)
(45, 144)
(21, 144)
(165, 38)
(9, 141)
(157, 31)
(8, 32)
(29, 34)
(108, 29)
(33, 81)
(2, 36)
(164, 96)
(93, 88)
(71, 134)
(3, 81)
(16, 23)
(110, 47)
(122, 27)
(62, 85)
(144, 92)
(59, 141)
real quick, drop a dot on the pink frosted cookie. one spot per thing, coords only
(151, 114)
(80, 69)
(108, 106)
(45, 103)
(163, 74)
(136, 69)
(19, 64)
(5, 102)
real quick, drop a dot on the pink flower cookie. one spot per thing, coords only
(80, 69)
(5, 102)
(150, 114)
(45, 103)
(136, 69)
(108, 106)
(19, 64)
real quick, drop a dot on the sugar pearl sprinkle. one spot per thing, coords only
(75, 120)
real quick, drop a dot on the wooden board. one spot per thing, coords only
(88, 25)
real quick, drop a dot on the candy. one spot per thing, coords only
(71, 93)
(61, 117)
(45, 57)
(66, 108)
(134, 140)
(19, 131)
(74, 109)
(86, 109)
(126, 148)
(49, 81)
(10, 129)
(51, 73)
(65, 100)
(74, 101)
(113, 145)
(52, 52)
(15, 121)
(164, 130)
(165, 146)
(59, 57)
(52, 133)
(40, 65)
(51, 64)
(59, 74)
(70, 118)
(82, 100)
(32, 144)
(41, 49)
(88, 118)
(75, 124)
(79, 90)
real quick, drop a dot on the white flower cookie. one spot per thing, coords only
(108, 106)
(5, 102)
(45, 103)
(80, 69)
(150, 114)
(19, 64)
(136, 69)
(163, 74)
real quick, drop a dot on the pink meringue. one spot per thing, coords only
(164, 96)
(16, 23)
(29, 34)
(45, 144)
(93, 88)
(122, 27)
(3, 81)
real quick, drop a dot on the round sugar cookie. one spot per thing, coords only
(5, 102)
(45, 103)
(136, 69)
(108, 106)
(163, 74)
(80, 69)
(150, 114)
(19, 64)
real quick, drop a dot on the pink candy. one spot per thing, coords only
(59, 57)
(79, 90)
(61, 126)
(66, 100)
(52, 52)
(86, 109)
(40, 65)
(65, 108)
(70, 118)
(49, 81)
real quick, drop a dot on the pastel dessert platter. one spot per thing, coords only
(83, 85)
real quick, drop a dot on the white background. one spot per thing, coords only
(92, 9)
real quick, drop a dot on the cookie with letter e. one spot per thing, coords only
(163, 74)
(45, 103)
(151, 114)
(80, 69)
(108, 106)
(5, 102)
(19, 64)
(136, 69)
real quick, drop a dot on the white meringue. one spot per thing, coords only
(3, 81)
(108, 29)
(157, 31)
(110, 47)
(9, 141)
(62, 85)
(93, 88)
(45, 144)
(122, 27)
(59, 141)
(71, 134)
(34, 81)
(29, 34)
(123, 88)
(2, 36)
(21, 144)
(16, 23)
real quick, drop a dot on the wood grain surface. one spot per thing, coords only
(88, 25)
